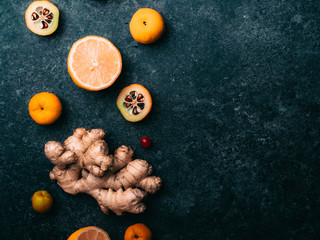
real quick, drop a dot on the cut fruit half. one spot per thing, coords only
(134, 102)
(94, 63)
(42, 17)
(90, 233)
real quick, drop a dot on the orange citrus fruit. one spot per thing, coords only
(94, 63)
(45, 108)
(89, 233)
(138, 231)
(41, 201)
(146, 25)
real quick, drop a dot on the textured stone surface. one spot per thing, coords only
(235, 124)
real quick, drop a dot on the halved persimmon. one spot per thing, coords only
(134, 102)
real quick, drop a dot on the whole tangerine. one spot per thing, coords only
(146, 26)
(45, 108)
(41, 201)
(138, 231)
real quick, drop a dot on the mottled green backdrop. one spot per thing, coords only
(235, 121)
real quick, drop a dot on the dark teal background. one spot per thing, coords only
(234, 126)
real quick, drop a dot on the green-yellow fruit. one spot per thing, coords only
(42, 17)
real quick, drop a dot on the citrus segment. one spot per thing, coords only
(94, 63)
(134, 102)
(89, 233)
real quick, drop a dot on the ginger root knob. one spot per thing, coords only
(83, 165)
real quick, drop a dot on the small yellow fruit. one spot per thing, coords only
(41, 201)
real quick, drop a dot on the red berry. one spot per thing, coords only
(145, 142)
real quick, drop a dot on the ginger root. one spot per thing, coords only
(83, 165)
